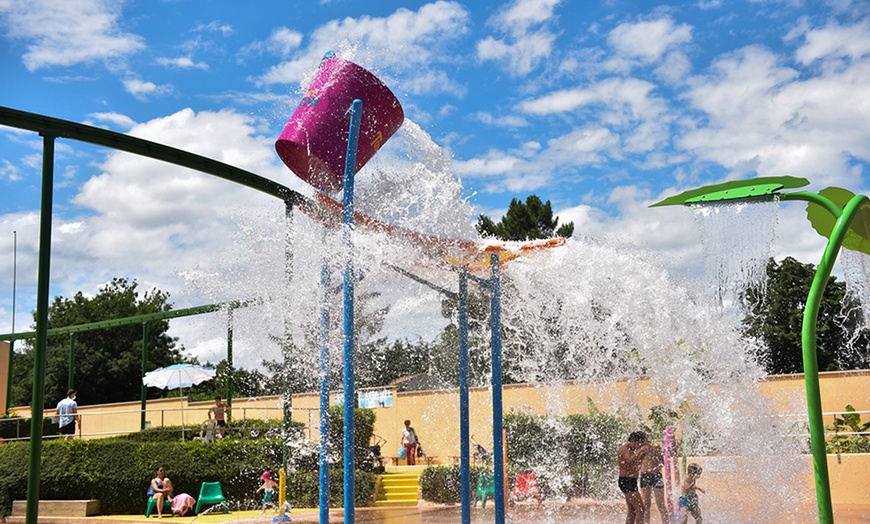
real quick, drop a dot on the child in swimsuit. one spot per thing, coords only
(268, 489)
(689, 498)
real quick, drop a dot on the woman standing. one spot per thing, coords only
(410, 443)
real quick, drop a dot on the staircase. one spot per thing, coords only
(401, 486)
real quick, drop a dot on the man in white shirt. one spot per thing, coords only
(67, 413)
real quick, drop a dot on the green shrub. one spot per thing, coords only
(303, 488)
(849, 421)
(443, 484)
(117, 471)
(240, 429)
(592, 441)
(364, 423)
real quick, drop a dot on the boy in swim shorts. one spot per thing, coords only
(689, 498)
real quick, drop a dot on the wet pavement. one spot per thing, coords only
(549, 513)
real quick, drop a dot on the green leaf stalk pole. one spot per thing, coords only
(811, 365)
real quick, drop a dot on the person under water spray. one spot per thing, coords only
(269, 489)
(689, 499)
(630, 456)
(652, 483)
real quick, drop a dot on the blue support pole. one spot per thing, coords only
(324, 390)
(464, 440)
(349, 403)
(497, 409)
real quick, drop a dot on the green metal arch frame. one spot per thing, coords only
(50, 129)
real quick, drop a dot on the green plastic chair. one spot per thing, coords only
(152, 506)
(211, 493)
(485, 488)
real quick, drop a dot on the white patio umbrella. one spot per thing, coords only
(178, 376)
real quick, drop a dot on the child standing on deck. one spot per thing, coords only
(268, 489)
(689, 498)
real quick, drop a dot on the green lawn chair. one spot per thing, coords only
(211, 493)
(152, 506)
(485, 488)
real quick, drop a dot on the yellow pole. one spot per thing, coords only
(505, 462)
(282, 493)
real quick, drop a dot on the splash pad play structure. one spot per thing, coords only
(625, 317)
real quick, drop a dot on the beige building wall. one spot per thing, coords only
(435, 414)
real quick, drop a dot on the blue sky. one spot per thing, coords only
(600, 107)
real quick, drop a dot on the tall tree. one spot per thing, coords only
(108, 361)
(525, 221)
(776, 318)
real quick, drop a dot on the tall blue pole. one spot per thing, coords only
(497, 409)
(324, 390)
(464, 440)
(349, 404)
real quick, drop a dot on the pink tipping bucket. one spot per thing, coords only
(314, 141)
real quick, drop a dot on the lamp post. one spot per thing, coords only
(832, 213)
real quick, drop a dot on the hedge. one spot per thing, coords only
(117, 471)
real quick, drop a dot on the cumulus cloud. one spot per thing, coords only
(142, 89)
(648, 40)
(282, 42)
(525, 39)
(408, 43)
(760, 116)
(182, 62)
(116, 119)
(836, 41)
(69, 32)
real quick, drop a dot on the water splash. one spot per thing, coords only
(736, 239)
(589, 311)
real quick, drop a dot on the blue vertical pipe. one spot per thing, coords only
(464, 440)
(497, 409)
(41, 343)
(230, 371)
(324, 390)
(349, 404)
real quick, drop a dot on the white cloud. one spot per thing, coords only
(407, 43)
(69, 32)
(116, 119)
(493, 163)
(213, 27)
(524, 45)
(506, 120)
(520, 15)
(9, 171)
(836, 41)
(142, 89)
(282, 42)
(182, 62)
(758, 116)
(648, 40)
